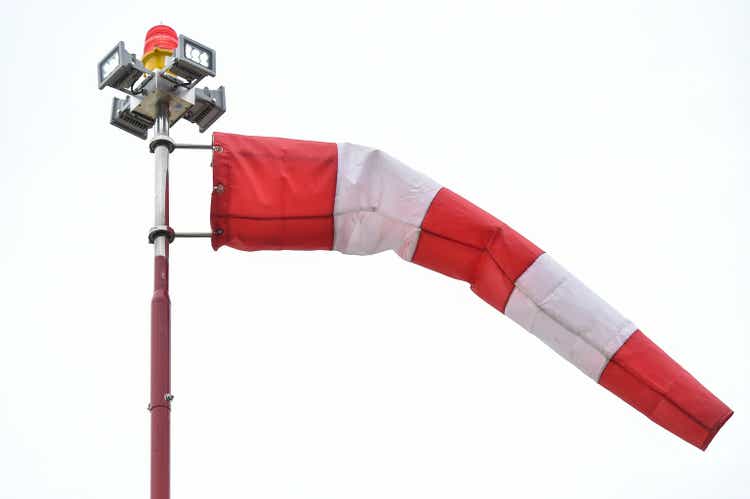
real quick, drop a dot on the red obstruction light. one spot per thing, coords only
(161, 40)
(161, 36)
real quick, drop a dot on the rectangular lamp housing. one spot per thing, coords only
(192, 61)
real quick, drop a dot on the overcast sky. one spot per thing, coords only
(612, 134)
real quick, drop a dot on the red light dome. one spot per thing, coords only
(161, 36)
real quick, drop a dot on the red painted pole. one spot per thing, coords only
(160, 374)
(161, 397)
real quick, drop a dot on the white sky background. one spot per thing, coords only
(612, 134)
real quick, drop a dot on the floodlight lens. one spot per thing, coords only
(110, 64)
(197, 55)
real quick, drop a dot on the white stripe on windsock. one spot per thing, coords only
(560, 310)
(380, 203)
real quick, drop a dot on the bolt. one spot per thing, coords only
(219, 188)
(218, 148)
(168, 397)
(219, 232)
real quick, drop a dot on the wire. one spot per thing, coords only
(140, 89)
(187, 84)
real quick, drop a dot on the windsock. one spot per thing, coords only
(274, 194)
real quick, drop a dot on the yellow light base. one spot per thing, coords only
(156, 59)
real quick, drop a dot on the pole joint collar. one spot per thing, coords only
(161, 140)
(159, 231)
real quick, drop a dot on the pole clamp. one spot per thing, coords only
(161, 140)
(160, 230)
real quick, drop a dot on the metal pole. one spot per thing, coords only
(160, 405)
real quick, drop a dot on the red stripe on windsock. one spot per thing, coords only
(272, 193)
(463, 241)
(645, 377)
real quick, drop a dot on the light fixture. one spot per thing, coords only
(165, 85)
(192, 61)
(208, 107)
(131, 121)
(120, 69)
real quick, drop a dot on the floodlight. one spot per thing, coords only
(126, 119)
(208, 107)
(192, 60)
(120, 70)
